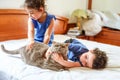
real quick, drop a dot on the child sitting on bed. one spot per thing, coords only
(79, 55)
(40, 23)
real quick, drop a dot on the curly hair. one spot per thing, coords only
(34, 4)
(101, 59)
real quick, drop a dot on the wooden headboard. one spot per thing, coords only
(13, 24)
(89, 4)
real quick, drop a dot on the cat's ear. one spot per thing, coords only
(54, 42)
(67, 44)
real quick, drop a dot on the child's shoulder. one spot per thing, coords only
(50, 16)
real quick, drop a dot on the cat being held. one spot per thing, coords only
(36, 56)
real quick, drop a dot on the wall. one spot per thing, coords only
(11, 4)
(56, 7)
(106, 5)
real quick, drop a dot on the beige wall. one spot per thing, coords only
(57, 7)
(106, 5)
(11, 4)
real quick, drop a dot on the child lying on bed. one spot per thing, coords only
(79, 55)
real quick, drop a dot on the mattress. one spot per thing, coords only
(13, 68)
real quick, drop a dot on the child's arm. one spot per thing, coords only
(49, 32)
(60, 60)
(30, 33)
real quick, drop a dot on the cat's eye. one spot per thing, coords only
(63, 46)
(56, 45)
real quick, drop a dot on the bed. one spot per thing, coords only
(111, 27)
(13, 31)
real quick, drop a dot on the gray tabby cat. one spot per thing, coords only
(36, 55)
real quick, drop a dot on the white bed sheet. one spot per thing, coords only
(18, 70)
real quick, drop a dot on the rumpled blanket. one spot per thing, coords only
(110, 19)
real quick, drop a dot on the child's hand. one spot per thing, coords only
(30, 45)
(58, 58)
(48, 53)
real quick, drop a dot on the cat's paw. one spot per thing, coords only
(63, 69)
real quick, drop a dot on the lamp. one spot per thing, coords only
(78, 14)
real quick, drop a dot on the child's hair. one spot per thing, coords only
(34, 4)
(101, 59)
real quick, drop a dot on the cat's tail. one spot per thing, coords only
(9, 51)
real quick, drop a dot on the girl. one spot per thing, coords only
(40, 23)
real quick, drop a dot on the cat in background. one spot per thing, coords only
(36, 55)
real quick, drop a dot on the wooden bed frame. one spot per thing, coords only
(107, 35)
(13, 24)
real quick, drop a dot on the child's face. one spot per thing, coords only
(34, 14)
(87, 59)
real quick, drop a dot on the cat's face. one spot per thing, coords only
(60, 48)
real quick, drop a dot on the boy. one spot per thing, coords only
(79, 55)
